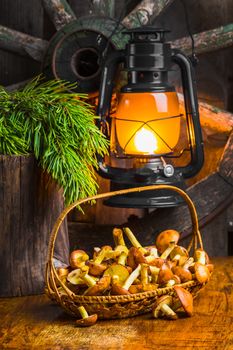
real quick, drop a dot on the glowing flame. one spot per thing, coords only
(145, 141)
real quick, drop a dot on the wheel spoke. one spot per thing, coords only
(104, 7)
(145, 11)
(208, 41)
(226, 165)
(216, 119)
(21, 43)
(59, 12)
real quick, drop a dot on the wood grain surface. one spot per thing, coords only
(36, 323)
(29, 207)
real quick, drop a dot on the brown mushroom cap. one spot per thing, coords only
(202, 273)
(140, 288)
(99, 287)
(165, 238)
(96, 269)
(130, 258)
(158, 262)
(78, 258)
(118, 236)
(118, 290)
(201, 256)
(87, 321)
(185, 298)
(117, 270)
(136, 288)
(62, 271)
(165, 274)
(178, 250)
(184, 274)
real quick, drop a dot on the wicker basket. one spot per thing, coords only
(117, 306)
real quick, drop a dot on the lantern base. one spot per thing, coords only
(147, 199)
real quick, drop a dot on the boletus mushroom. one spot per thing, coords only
(135, 243)
(202, 273)
(144, 284)
(78, 258)
(99, 287)
(162, 308)
(118, 236)
(184, 274)
(179, 255)
(117, 270)
(62, 272)
(124, 289)
(165, 275)
(96, 269)
(74, 277)
(86, 320)
(164, 238)
(184, 300)
(201, 256)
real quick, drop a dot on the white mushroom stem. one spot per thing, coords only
(121, 249)
(132, 277)
(189, 262)
(90, 281)
(154, 253)
(144, 273)
(165, 310)
(100, 257)
(111, 254)
(106, 254)
(167, 251)
(122, 258)
(83, 312)
(154, 273)
(171, 283)
(150, 258)
(176, 257)
(133, 239)
(118, 237)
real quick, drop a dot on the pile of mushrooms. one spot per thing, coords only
(126, 270)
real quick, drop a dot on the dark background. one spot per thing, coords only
(214, 71)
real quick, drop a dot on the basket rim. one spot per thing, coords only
(51, 273)
(112, 299)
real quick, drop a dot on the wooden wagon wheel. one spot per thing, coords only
(215, 191)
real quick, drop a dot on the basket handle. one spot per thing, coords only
(196, 234)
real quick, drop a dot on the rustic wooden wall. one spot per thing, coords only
(25, 16)
(214, 70)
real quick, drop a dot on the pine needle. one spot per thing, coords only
(58, 126)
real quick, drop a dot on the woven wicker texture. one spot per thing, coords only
(117, 306)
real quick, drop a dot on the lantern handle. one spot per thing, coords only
(106, 85)
(192, 114)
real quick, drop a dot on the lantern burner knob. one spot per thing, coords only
(168, 170)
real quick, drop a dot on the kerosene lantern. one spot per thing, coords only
(145, 128)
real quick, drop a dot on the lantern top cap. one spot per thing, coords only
(146, 33)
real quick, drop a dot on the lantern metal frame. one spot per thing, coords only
(159, 62)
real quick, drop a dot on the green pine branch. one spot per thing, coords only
(58, 126)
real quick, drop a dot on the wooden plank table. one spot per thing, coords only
(36, 323)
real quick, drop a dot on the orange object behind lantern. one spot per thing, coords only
(146, 123)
